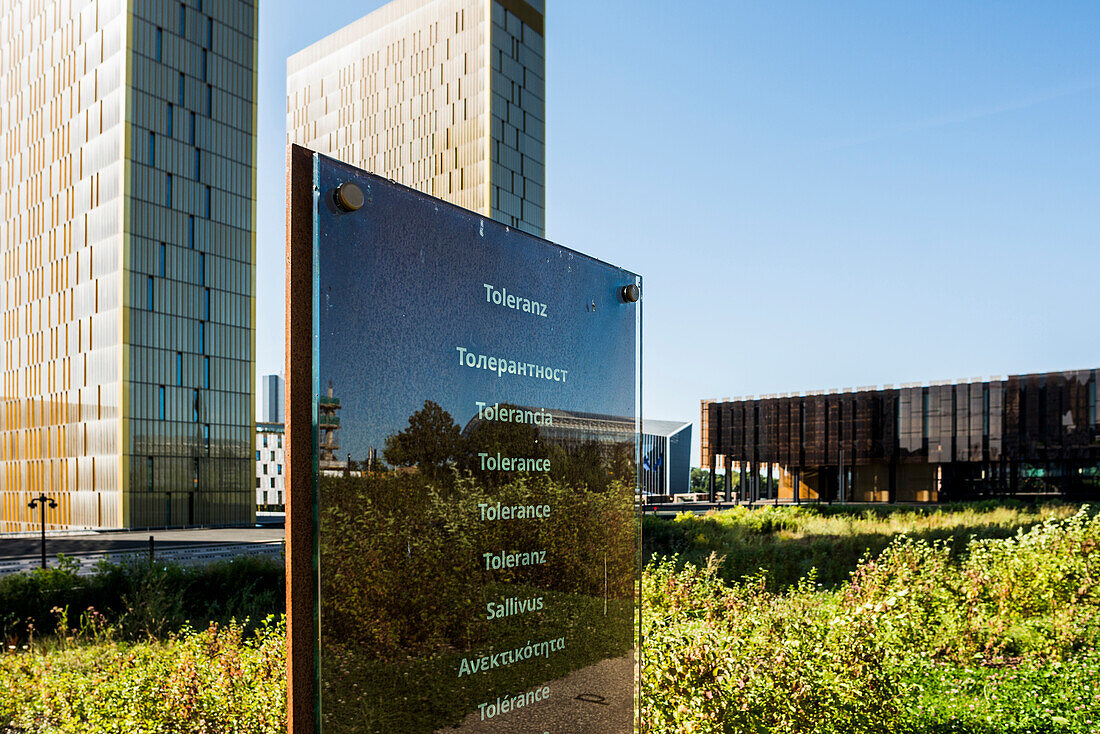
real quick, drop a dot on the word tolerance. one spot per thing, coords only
(504, 705)
(494, 412)
(503, 366)
(512, 512)
(497, 561)
(512, 463)
(512, 605)
(500, 659)
(503, 298)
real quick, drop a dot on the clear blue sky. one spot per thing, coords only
(818, 195)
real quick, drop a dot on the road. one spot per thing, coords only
(180, 546)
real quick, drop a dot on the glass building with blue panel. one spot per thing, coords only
(666, 457)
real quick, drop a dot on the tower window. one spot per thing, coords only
(924, 413)
(1092, 402)
(985, 410)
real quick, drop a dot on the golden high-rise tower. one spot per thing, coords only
(445, 96)
(127, 248)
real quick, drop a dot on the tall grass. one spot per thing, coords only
(140, 600)
(786, 542)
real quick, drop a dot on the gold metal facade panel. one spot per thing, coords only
(61, 137)
(704, 433)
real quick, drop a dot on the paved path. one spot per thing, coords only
(184, 547)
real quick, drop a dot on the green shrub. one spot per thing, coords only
(138, 599)
(738, 658)
(213, 680)
(924, 638)
(1035, 594)
(935, 634)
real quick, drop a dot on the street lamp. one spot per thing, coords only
(40, 502)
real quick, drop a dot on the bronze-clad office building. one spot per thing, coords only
(1026, 436)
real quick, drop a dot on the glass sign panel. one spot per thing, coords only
(476, 413)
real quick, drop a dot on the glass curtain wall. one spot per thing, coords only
(190, 268)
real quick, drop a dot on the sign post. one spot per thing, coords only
(462, 522)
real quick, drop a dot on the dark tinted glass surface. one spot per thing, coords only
(475, 480)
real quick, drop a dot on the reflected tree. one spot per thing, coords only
(432, 441)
